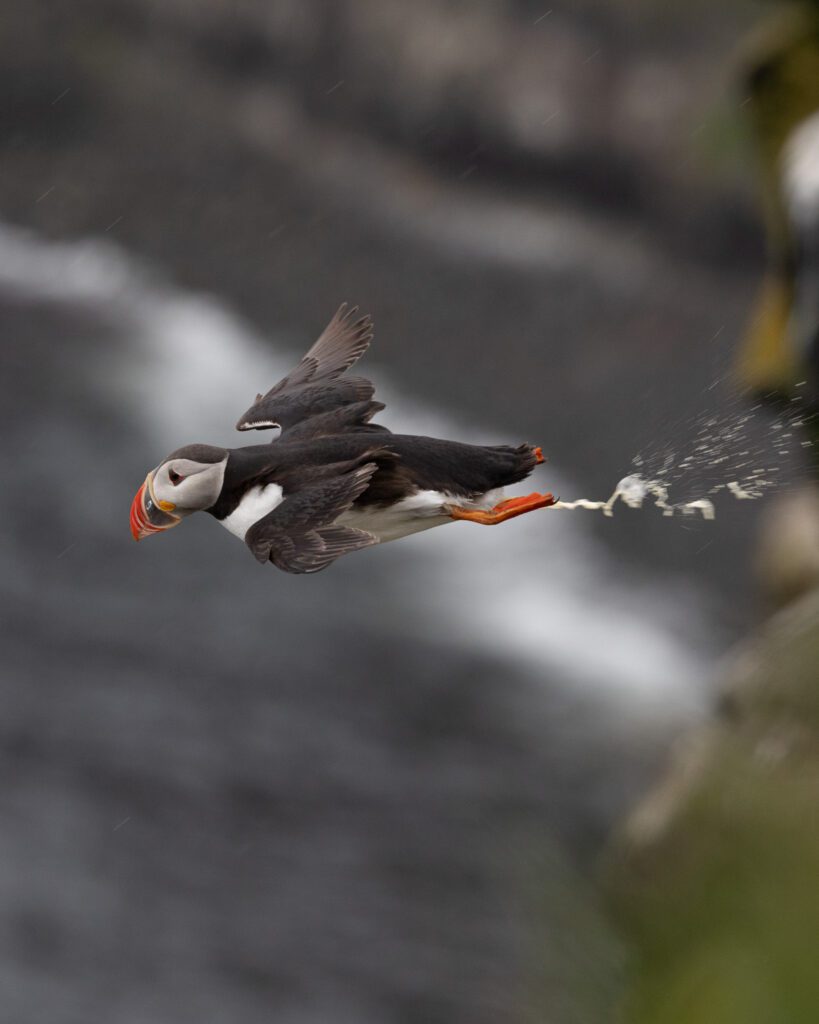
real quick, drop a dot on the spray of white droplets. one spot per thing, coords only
(740, 452)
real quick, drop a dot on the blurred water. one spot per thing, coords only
(233, 794)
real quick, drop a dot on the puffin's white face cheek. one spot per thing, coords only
(162, 486)
(188, 486)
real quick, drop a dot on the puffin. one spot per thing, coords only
(332, 482)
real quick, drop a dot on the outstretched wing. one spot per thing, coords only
(299, 536)
(314, 387)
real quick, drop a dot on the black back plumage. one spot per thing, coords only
(404, 463)
(451, 467)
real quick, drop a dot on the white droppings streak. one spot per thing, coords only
(633, 491)
(730, 451)
(740, 493)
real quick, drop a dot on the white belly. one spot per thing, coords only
(255, 505)
(419, 512)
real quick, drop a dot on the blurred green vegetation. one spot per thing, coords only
(715, 880)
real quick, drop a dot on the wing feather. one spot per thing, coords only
(313, 386)
(355, 416)
(300, 535)
(342, 342)
(316, 549)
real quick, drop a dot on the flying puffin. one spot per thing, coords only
(332, 482)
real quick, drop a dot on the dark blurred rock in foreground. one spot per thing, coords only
(787, 555)
(714, 878)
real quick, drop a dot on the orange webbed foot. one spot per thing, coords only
(502, 506)
(504, 510)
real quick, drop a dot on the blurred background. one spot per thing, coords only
(404, 790)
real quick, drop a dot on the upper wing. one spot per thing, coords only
(313, 386)
(353, 416)
(342, 342)
(299, 536)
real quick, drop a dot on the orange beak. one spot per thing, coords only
(147, 516)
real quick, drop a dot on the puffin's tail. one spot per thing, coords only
(454, 468)
(509, 465)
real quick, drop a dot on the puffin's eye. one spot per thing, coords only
(174, 477)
